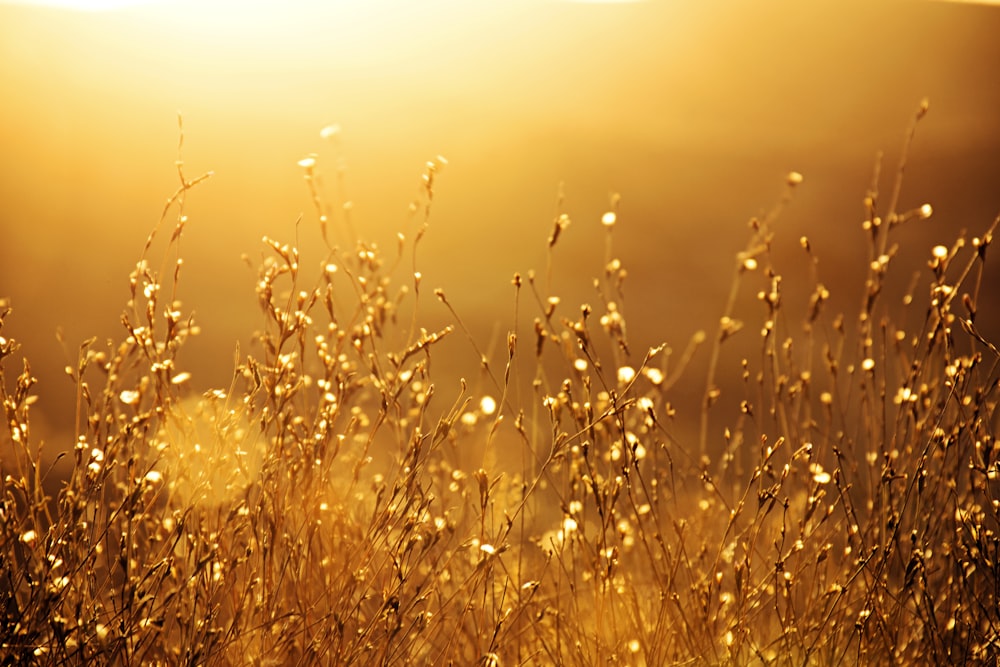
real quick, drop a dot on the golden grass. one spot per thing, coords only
(336, 506)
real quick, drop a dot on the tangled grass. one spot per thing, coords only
(335, 505)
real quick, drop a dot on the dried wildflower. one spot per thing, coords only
(626, 374)
(488, 405)
(654, 375)
(180, 378)
(819, 475)
(129, 397)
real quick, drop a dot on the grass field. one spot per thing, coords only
(337, 504)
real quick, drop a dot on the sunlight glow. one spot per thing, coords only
(107, 5)
(81, 5)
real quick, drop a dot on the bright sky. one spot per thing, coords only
(100, 5)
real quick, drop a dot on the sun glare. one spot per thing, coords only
(81, 5)
(106, 5)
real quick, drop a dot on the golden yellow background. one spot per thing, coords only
(693, 111)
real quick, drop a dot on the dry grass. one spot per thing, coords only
(336, 506)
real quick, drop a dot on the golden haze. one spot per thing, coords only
(692, 111)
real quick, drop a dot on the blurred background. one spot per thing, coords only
(692, 111)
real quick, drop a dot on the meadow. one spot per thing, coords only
(339, 504)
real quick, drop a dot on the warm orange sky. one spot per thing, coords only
(694, 111)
